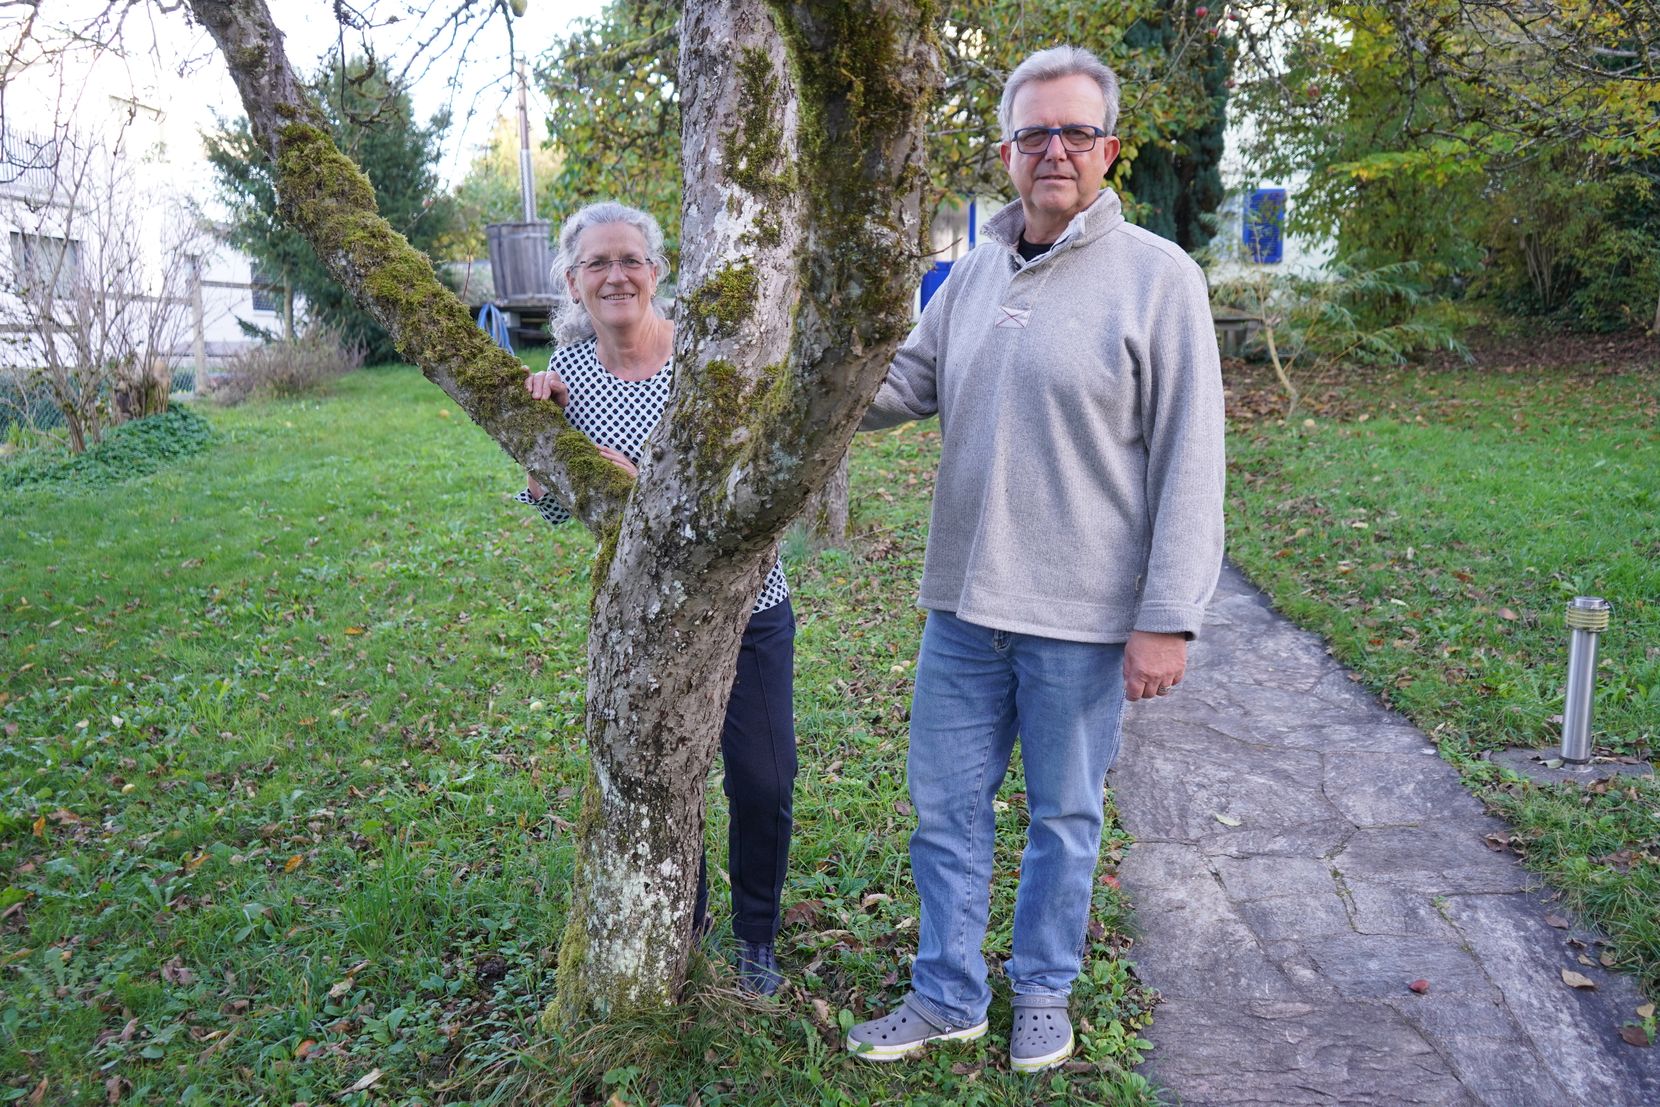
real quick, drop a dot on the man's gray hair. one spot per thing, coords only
(1053, 64)
(573, 323)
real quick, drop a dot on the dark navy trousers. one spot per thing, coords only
(758, 748)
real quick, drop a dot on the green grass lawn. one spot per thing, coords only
(1433, 525)
(292, 749)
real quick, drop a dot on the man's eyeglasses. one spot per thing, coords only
(596, 266)
(1075, 138)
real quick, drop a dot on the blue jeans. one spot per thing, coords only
(976, 690)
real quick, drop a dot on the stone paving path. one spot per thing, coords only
(1301, 856)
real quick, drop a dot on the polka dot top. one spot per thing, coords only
(621, 414)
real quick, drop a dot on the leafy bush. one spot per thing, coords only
(282, 369)
(1350, 316)
(132, 449)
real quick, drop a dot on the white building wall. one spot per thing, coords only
(99, 98)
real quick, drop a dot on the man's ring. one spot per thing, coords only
(1164, 689)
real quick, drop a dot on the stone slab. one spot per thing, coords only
(1202, 947)
(1575, 1031)
(1440, 860)
(1385, 910)
(1252, 878)
(1259, 789)
(1363, 966)
(1394, 789)
(1479, 1037)
(1323, 838)
(1338, 736)
(1297, 918)
(1297, 1054)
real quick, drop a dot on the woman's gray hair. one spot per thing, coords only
(573, 323)
(1053, 64)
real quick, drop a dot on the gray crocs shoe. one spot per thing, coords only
(1042, 1033)
(903, 1032)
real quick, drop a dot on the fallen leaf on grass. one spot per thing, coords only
(1634, 1035)
(113, 1087)
(220, 1043)
(804, 912)
(1557, 921)
(1577, 980)
(873, 899)
(821, 1011)
(367, 1080)
(38, 1096)
(1508, 615)
(174, 972)
(304, 1048)
(293, 863)
(1419, 986)
(340, 988)
(1646, 1011)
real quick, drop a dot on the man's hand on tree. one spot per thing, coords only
(1153, 664)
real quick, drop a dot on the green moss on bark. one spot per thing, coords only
(724, 301)
(756, 160)
(331, 201)
(850, 81)
(604, 554)
(590, 473)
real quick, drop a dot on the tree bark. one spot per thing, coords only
(827, 515)
(803, 234)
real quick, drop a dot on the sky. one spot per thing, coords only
(175, 74)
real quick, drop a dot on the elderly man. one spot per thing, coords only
(1076, 538)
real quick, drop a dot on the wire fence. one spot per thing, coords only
(35, 410)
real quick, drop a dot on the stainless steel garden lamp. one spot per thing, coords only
(1587, 618)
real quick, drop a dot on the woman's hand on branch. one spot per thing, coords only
(548, 385)
(620, 460)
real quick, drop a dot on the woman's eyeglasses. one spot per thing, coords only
(603, 265)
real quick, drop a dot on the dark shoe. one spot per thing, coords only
(1042, 1033)
(758, 968)
(903, 1032)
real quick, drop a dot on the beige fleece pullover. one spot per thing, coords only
(1079, 493)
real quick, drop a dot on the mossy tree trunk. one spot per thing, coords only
(803, 234)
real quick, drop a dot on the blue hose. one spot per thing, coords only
(493, 323)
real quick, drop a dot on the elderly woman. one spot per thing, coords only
(612, 373)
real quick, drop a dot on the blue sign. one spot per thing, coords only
(1264, 226)
(932, 280)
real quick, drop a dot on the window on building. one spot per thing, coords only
(40, 260)
(267, 292)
